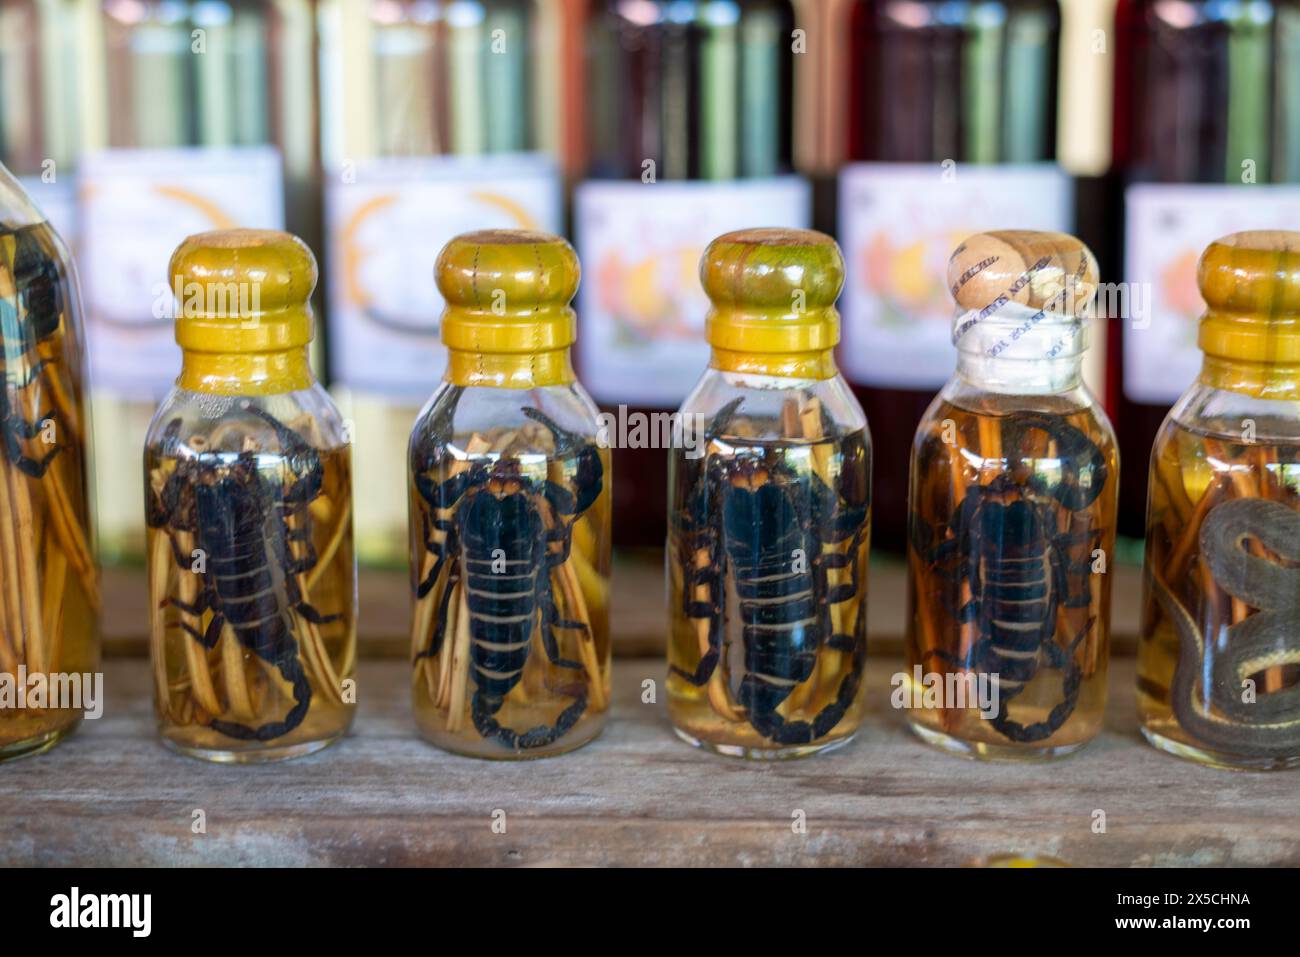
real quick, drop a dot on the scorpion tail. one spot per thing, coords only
(292, 671)
(780, 731)
(484, 709)
(1039, 730)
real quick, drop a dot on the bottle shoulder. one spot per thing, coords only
(1224, 415)
(774, 408)
(225, 422)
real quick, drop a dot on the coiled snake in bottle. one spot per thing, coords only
(1266, 726)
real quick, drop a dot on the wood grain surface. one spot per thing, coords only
(112, 795)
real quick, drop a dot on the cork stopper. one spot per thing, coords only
(773, 295)
(1053, 272)
(507, 273)
(243, 290)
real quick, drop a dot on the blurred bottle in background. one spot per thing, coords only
(198, 116)
(1206, 141)
(438, 117)
(689, 132)
(40, 104)
(951, 130)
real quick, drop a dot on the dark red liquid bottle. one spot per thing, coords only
(1206, 134)
(688, 135)
(952, 130)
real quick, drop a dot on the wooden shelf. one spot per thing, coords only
(113, 795)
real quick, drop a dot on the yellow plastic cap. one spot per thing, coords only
(1054, 272)
(773, 295)
(507, 291)
(243, 291)
(1251, 286)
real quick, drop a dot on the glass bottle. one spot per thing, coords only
(1011, 520)
(951, 129)
(510, 512)
(689, 133)
(439, 117)
(769, 511)
(248, 503)
(1206, 143)
(49, 584)
(1218, 649)
(196, 115)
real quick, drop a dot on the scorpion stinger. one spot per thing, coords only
(239, 518)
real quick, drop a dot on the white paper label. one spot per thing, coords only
(57, 202)
(387, 221)
(1167, 226)
(641, 308)
(898, 225)
(136, 207)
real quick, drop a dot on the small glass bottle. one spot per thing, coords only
(1221, 604)
(510, 514)
(1011, 518)
(49, 583)
(769, 510)
(248, 503)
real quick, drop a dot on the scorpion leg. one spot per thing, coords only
(35, 468)
(696, 609)
(440, 629)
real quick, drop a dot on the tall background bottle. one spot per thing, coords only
(688, 133)
(198, 115)
(40, 104)
(1206, 143)
(437, 118)
(952, 128)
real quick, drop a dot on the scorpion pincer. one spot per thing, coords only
(503, 534)
(1004, 541)
(239, 515)
(775, 522)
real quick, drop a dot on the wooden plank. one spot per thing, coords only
(641, 620)
(638, 796)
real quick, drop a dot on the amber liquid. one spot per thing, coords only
(1192, 475)
(445, 684)
(49, 589)
(711, 714)
(959, 451)
(196, 686)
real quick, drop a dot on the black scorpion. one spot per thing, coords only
(1005, 543)
(774, 524)
(497, 543)
(34, 316)
(239, 516)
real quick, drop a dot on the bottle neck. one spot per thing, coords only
(1261, 380)
(509, 370)
(246, 373)
(1021, 351)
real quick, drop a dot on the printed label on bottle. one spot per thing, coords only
(1167, 227)
(898, 224)
(136, 207)
(387, 220)
(641, 307)
(57, 202)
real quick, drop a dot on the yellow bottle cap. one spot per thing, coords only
(243, 312)
(1250, 332)
(1054, 272)
(773, 295)
(508, 322)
